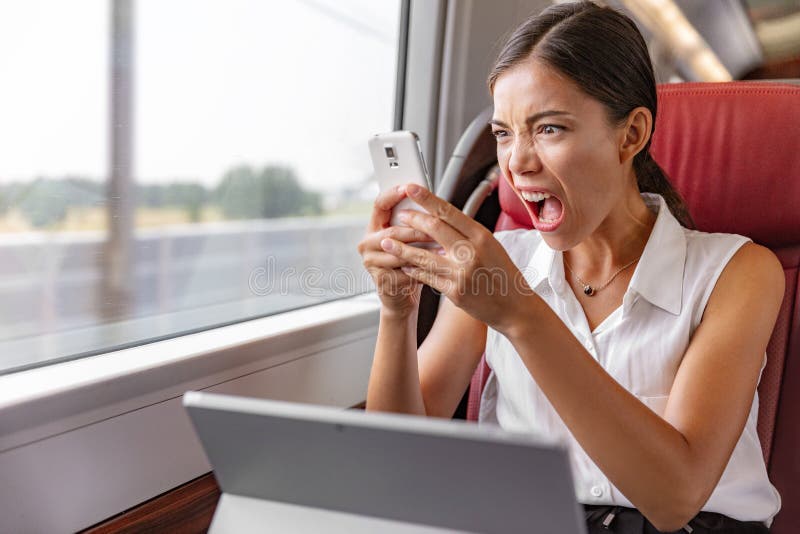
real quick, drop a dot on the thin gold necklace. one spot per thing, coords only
(588, 289)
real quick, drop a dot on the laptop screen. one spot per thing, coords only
(442, 473)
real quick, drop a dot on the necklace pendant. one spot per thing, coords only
(588, 290)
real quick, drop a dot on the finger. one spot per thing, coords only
(439, 230)
(390, 277)
(402, 233)
(418, 257)
(445, 211)
(382, 207)
(383, 260)
(395, 284)
(439, 283)
(372, 241)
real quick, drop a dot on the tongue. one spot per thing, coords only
(551, 209)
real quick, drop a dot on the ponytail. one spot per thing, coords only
(651, 178)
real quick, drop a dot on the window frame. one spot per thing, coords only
(113, 425)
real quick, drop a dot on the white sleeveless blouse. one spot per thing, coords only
(641, 344)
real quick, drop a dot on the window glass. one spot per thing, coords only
(170, 166)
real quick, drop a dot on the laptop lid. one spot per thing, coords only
(441, 473)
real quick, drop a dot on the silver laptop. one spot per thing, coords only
(288, 467)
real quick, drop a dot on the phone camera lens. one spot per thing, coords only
(389, 151)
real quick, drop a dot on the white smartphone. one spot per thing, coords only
(397, 159)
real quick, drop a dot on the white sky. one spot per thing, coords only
(218, 83)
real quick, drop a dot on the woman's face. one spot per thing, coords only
(554, 139)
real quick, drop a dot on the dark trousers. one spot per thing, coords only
(621, 520)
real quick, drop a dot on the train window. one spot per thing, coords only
(174, 166)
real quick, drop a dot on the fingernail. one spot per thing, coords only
(401, 188)
(387, 245)
(414, 191)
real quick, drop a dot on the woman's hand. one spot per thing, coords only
(474, 271)
(399, 293)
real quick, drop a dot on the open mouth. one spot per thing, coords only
(546, 210)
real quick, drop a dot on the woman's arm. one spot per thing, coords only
(448, 358)
(450, 352)
(666, 467)
(394, 379)
(430, 381)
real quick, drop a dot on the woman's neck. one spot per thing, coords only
(619, 239)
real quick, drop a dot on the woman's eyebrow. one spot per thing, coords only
(533, 118)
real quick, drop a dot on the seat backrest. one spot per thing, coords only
(732, 150)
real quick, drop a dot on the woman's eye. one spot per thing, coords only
(550, 129)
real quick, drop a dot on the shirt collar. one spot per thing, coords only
(659, 274)
(658, 277)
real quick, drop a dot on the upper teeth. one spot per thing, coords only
(534, 197)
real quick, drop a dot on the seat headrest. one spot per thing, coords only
(733, 152)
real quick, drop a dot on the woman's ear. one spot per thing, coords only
(636, 133)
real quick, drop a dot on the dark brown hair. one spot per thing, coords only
(602, 51)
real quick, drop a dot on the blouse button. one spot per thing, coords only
(589, 345)
(596, 491)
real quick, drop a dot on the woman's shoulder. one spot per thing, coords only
(711, 246)
(731, 252)
(718, 263)
(751, 263)
(707, 255)
(715, 244)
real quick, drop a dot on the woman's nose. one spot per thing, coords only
(524, 157)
